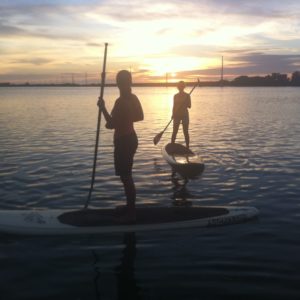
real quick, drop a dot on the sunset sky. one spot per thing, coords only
(55, 41)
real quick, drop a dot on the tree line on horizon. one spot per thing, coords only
(275, 79)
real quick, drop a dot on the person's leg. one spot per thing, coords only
(130, 192)
(124, 155)
(185, 126)
(176, 123)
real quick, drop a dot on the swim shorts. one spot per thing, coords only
(125, 148)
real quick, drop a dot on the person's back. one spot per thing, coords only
(182, 101)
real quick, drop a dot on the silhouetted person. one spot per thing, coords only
(182, 101)
(126, 111)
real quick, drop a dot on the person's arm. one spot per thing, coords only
(173, 109)
(189, 102)
(138, 114)
(107, 116)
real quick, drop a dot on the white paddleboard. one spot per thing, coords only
(183, 160)
(97, 221)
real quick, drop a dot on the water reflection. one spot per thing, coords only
(180, 191)
(97, 275)
(126, 285)
(249, 139)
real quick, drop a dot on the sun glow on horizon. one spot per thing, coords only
(153, 39)
(171, 65)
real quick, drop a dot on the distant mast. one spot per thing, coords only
(222, 71)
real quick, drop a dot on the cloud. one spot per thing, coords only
(254, 8)
(53, 20)
(32, 61)
(263, 64)
(249, 64)
(248, 34)
(10, 32)
(7, 30)
(91, 44)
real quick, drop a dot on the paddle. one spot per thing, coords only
(159, 135)
(98, 127)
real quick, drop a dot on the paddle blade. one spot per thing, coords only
(157, 138)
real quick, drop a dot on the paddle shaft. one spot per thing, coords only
(172, 116)
(98, 128)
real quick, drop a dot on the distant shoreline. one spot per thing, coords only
(274, 79)
(202, 84)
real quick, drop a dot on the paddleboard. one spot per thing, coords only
(183, 160)
(97, 221)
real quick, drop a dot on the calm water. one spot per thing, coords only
(250, 141)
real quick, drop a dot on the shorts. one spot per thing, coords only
(125, 148)
(185, 120)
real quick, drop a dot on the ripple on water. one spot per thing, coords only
(249, 140)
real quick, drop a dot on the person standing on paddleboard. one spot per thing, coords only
(181, 103)
(127, 110)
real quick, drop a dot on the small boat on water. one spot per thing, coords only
(183, 160)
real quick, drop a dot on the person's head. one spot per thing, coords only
(124, 81)
(180, 85)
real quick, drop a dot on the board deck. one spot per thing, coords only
(96, 221)
(183, 160)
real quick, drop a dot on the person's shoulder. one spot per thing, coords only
(134, 98)
(118, 100)
(117, 105)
